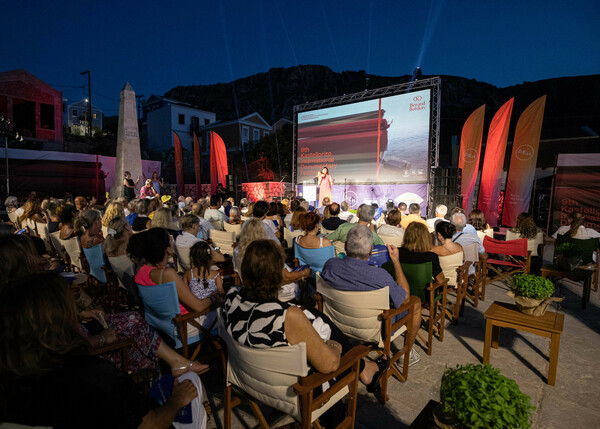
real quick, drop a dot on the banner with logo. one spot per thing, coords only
(493, 162)
(523, 161)
(178, 153)
(218, 161)
(577, 189)
(197, 166)
(470, 149)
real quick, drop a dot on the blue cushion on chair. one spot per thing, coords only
(95, 258)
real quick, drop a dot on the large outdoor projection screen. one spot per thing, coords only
(383, 140)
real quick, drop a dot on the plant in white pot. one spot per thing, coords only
(532, 294)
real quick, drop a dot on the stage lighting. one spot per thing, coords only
(417, 74)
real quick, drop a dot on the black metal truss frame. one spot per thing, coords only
(433, 83)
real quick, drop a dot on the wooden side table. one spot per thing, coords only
(577, 275)
(504, 315)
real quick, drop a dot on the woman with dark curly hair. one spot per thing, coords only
(477, 219)
(49, 378)
(309, 223)
(525, 227)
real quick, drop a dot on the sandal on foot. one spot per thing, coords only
(187, 368)
(383, 365)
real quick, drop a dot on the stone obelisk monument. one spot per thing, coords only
(129, 157)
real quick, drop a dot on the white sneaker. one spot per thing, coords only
(413, 359)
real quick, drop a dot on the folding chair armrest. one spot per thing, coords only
(296, 263)
(190, 316)
(433, 286)
(319, 300)
(308, 383)
(410, 306)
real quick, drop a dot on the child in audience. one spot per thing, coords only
(203, 281)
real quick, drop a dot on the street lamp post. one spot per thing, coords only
(6, 132)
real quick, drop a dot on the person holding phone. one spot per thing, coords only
(129, 186)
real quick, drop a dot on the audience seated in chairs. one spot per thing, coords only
(203, 281)
(32, 212)
(352, 273)
(235, 216)
(42, 348)
(440, 216)
(154, 247)
(115, 247)
(142, 221)
(246, 309)
(295, 220)
(391, 227)
(89, 224)
(416, 249)
(310, 249)
(576, 228)
(205, 226)
(365, 216)
(162, 219)
(254, 230)
(333, 221)
(444, 232)
(66, 214)
(113, 210)
(461, 236)
(414, 215)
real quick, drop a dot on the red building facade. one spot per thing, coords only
(33, 107)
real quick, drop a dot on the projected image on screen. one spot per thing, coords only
(376, 141)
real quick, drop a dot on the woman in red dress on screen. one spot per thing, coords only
(325, 182)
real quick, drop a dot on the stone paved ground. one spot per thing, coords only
(571, 403)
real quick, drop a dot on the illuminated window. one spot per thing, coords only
(94, 116)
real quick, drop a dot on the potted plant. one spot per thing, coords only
(567, 257)
(478, 396)
(532, 293)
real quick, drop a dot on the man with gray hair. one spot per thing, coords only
(365, 216)
(440, 215)
(345, 213)
(353, 273)
(459, 220)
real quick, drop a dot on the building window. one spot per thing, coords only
(206, 121)
(47, 116)
(182, 119)
(195, 123)
(265, 133)
(245, 135)
(74, 113)
(255, 135)
(94, 116)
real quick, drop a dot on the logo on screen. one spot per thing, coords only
(524, 152)
(470, 155)
(417, 98)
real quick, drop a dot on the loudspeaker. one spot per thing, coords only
(446, 189)
(230, 185)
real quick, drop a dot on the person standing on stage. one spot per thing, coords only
(325, 182)
(129, 186)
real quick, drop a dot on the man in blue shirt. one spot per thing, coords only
(462, 236)
(353, 273)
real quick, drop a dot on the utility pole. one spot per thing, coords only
(89, 101)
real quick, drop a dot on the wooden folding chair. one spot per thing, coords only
(515, 257)
(455, 271)
(278, 377)
(225, 240)
(476, 280)
(366, 316)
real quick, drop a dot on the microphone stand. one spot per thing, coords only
(281, 188)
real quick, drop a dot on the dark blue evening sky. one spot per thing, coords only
(156, 45)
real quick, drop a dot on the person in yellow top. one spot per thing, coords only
(414, 215)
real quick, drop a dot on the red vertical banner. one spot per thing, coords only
(178, 163)
(493, 162)
(470, 149)
(197, 167)
(523, 161)
(218, 161)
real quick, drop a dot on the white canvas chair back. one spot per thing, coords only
(489, 232)
(217, 224)
(356, 313)
(268, 375)
(290, 235)
(30, 225)
(124, 268)
(471, 252)
(44, 233)
(325, 230)
(183, 258)
(15, 220)
(225, 240)
(56, 242)
(396, 241)
(104, 231)
(531, 244)
(73, 249)
(450, 264)
(340, 247)
(236, 229)
(244, 218)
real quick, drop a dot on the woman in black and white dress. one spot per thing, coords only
(254, 317)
